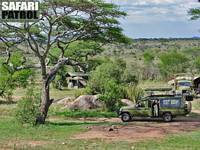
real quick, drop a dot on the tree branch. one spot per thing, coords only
(61, 62)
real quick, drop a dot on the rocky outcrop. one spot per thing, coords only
(65, 101)
(86, 102)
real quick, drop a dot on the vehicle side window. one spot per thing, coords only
(172, 103)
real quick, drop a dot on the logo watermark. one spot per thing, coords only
(14, 10)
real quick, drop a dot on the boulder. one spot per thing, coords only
(86, 102)
(65, 101)
(127, 102)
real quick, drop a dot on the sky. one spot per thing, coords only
(158, 18)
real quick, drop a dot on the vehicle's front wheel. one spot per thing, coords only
(126, 117)
(167, 117)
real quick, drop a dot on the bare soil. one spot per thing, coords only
(140, 129)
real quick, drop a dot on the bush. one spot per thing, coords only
(172, 63)
(128, 78)
(11, 76)
(112, 70)
(112, 95)
(134, 93)
(148, 57)
(108, 80)
(197, 63)
(28, 108)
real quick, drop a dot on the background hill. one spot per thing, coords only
(136, 55)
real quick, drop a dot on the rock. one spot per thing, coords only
(86, 102)
(89, 128)
(112, 128)
(127, 102)
(65, 101)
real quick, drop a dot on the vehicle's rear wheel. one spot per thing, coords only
(167, 117)
(126, 117)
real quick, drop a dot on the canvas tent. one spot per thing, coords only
(76, 80)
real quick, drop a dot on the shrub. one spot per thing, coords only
(103, 74)
(148, 57)
(11, 76)
(197, 63)
(108, 80)
(128, 78)
(28, 108)
(112, 95)
(173, 62)
(134, 92)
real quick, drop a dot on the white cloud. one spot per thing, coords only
(156, 10)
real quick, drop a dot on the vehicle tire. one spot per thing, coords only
(167, 117)
(125, 117)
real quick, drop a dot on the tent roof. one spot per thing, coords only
(77, 74)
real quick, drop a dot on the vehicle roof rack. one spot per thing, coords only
(158, 89)
(163, 95)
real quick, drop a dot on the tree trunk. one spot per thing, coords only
(45, 97)
(45, 104)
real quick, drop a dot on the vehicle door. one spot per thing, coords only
(142, 109)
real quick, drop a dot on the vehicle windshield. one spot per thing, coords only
(184, 83)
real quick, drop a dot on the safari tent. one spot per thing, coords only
(76, 80)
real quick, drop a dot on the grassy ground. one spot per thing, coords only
(57, 136)
(82, 114)
(196, 104)
(55, 94)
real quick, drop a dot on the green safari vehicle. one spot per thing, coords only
(169, 106)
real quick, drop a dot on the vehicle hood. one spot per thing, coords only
(127, 107)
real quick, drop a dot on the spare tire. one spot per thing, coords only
(167, 117)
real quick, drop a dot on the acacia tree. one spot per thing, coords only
(61, 23)
(195, 13)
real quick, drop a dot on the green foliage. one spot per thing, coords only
(21, 77)
(197, 63)
(11, 76)
(60, 79)
(16, 59)
(95, 62)
(83, 49)
(108, 80)
(83, 114)
(28, 108)
(112, 95)
(148, 57)
(103, 74)
(172, 63)
(194, 13)
(129, 78)
(134, 93)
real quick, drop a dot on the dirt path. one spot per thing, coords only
(140, 130)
